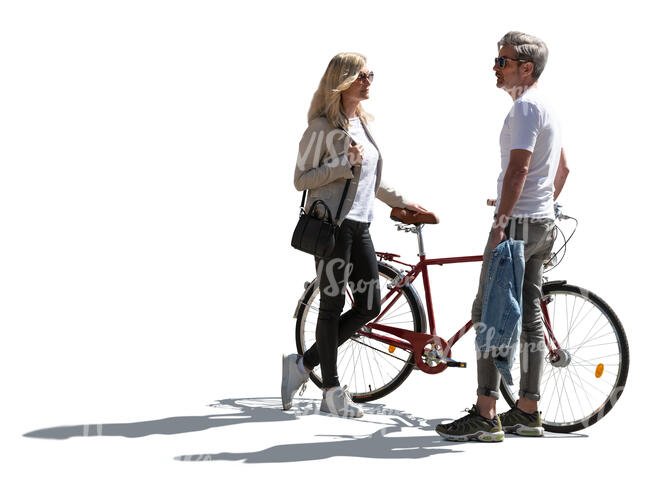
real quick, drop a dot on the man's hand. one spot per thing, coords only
(498, 236)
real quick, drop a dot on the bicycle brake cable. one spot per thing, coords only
(563, 247)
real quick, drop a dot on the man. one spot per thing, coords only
(533, 172)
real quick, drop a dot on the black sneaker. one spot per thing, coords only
(472, 426)
(516, 421)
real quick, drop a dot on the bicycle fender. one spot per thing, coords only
(301, 300)
(555, 282)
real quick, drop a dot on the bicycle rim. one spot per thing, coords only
(585, 384)
(367, 366)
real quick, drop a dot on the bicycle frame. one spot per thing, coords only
(416, 342)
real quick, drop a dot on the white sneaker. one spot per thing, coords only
(292, 379)
(339, 402)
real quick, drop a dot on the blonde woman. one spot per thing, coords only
(337, 147)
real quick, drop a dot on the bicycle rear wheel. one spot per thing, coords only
(369, 367)
(584, 382)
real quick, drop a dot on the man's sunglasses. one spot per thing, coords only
(502, 61)
(363, 76)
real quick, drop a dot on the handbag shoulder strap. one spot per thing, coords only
(302, 203)
(345, 192)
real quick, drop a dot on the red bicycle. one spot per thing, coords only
(584, 372)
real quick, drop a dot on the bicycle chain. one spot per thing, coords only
(383, 352)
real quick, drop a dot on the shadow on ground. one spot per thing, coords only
(246, 410)
(380, 444)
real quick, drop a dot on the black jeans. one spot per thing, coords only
(353, 261)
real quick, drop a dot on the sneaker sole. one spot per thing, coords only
(480, 436)
(525, 430)
(286, 405)
(327, 412)
(324, 409)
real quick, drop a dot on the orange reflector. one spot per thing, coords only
(599, 370)
(391, 349)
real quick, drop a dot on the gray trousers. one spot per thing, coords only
(537, 235)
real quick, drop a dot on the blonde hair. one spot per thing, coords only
(341, 72)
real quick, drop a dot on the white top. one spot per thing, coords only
(364, 200)
(530, 125)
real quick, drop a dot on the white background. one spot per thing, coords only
(147, 205)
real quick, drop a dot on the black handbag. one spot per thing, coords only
(314, 235)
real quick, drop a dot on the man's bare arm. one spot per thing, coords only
(513, 184)
(561, 175)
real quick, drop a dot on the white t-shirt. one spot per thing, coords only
(364, 200)
(530, 125)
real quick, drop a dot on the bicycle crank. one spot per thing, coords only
(433, 357)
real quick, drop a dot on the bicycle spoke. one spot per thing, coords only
(587, 396)
(348, 363)
(363, 370)
(395, 309)
(575, 390)
(574, 323)
(588, 382)
(573, 309)
(368, 352)
(590, 370)
(383, 319)
(571, 324)
(392, 323)
(374, 356)
(583, 319)
(548, 382)
(593, 339)
(385, 357)
(389, 363)
(588, 361)
(559, 402)
(572, 394)
(594, 334)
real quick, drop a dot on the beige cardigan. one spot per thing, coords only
(322, 169)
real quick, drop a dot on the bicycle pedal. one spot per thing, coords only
(455, 364)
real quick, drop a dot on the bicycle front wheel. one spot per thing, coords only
(369, 367)
(585, 379)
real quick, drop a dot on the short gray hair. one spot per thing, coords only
(527, 47)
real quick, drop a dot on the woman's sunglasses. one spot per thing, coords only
(363, 76)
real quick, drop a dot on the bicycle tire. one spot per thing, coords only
(305, 307)
(578, 369)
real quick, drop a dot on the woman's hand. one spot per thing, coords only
(355, 155)
(414, 207)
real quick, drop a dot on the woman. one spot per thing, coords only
(337, 147)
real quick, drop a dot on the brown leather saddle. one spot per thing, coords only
(410, 217)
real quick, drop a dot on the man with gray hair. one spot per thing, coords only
(533, 172)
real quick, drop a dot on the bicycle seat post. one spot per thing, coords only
(418, 231)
